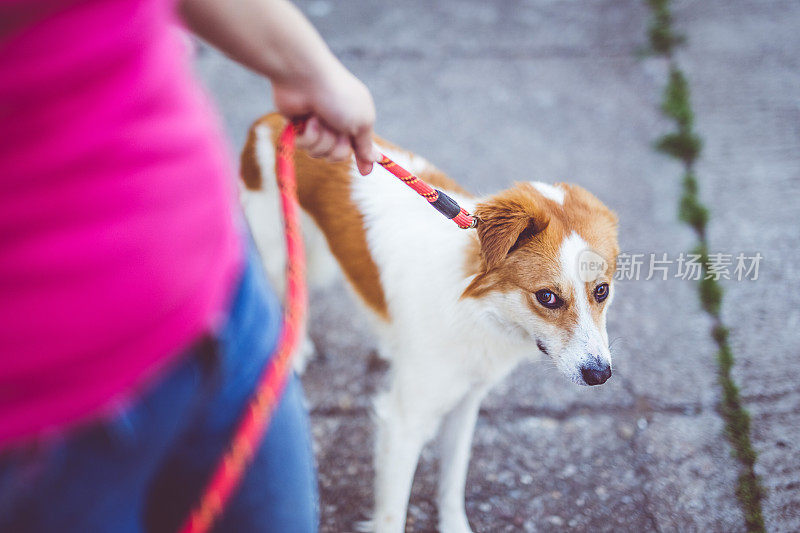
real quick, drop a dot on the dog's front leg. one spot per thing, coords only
(454, 451)
(404, 426)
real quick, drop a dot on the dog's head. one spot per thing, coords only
(544, 273)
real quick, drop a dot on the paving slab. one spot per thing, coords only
(493, 93)
(743, 67)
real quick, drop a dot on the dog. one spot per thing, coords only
(454, 310)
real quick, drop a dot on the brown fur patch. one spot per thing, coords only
(323, 189)
(593, 221)
(506, 222)
(248, 162)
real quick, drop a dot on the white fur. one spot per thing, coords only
(445, 356)
(446, 352)
(588, 340)
(553, 192)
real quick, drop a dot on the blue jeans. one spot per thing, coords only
(145, 469)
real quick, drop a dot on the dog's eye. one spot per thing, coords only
(549, 299)
(601, 292)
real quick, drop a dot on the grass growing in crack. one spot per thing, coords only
(685, 146)
(662, 38)
(692, 211)
(710, 296)
(720, 334)
(680, 145)
(676, 102)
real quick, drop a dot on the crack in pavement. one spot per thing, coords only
(685, 146)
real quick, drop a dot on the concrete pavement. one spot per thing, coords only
(743, 66)
(555, 91)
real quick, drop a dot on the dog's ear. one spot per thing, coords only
(507, 221)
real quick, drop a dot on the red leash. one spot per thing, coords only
(254, 423)
(438, 199)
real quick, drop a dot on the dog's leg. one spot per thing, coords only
(263, 214)
(404, 425)
(454, 447)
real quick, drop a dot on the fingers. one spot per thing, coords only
(311, 134)
(323, 145)
(341, 150)
(321, 141)
(365, 152)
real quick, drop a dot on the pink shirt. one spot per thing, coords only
(118, 243)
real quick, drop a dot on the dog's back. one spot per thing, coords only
(326, 192)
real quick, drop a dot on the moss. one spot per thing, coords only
(737, 427)
(720, 334)
(710, 296)
(702, 251)
(739, 424)
(724, 359)
(662, 38)
(683, 145)
(690, 183)
(749, 493)
(676, 102)
(693, 212)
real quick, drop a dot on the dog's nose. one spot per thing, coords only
(595, 372)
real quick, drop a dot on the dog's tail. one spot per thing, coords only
(261, 205)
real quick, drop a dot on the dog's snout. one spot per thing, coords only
(595, 372)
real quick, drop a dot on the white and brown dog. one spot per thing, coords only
(454, 310)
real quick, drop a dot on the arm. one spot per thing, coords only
(273, 38)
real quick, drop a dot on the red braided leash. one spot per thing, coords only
(254, 423)
(438, 199)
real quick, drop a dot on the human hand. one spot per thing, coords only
(273, 38)
(341, 111)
